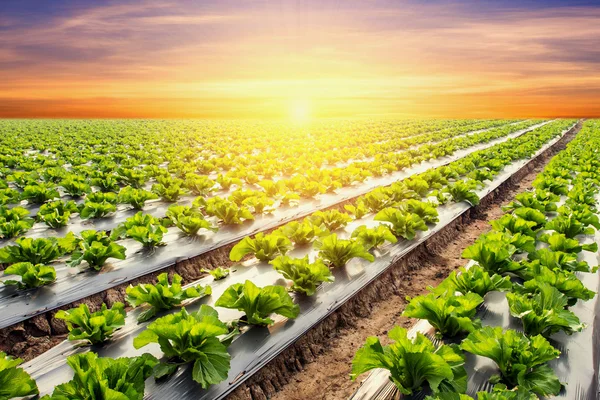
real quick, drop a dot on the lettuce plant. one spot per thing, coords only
(95, 247)
(523, 243)
(462, 191)
(132, 177)
(450, 315)
(56, 214)
(32, 276)
(199, 185)
(521, 359)
(163, 295)
(149, 236)
(533, 215)
(14, 381)
(74, 187)
(473, 280)
(514, 224)
(500, 392)
(306, 276)
(357, 210)
(560, 260)
(93, 210)
(100, 197)
(568, 225)
(227, 182)
(376, 200)
(170, 191)
(106, 183)
(543, 312)
(495, 256)
(530, 200)
(258, 303)
(260, 204)
(94, 327)
(373, 237)
(264, 247)
(105, 378)
(14, 221)
(227, 211)
(188, 220)
(190, 338)
(565, 281)
(404, 224)
(139, 219)
(136, 198)
(300, 233)
(337, 252)
(427, 211)
(39, 193)
(35, 251)
(560, 242)
(332, 220)
(413, 363)
(217, 273)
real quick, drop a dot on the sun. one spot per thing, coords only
(299, 111)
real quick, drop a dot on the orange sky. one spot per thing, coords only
(338, 59)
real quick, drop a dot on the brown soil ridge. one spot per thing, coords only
(317, 366)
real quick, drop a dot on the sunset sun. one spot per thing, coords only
(300, 111)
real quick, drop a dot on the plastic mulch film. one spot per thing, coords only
(257, 345)
(73, 284)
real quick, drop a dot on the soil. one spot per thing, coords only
(318, 365)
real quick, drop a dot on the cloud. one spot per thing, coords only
(403, 57)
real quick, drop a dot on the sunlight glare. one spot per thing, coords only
(300, 111)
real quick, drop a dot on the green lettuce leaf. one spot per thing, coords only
(191, 338)
(105, 378)
(521, 359)
(413, 363)
(544, 312)
(306, 276)
(450, 315)
(14, 381)
(258, 303)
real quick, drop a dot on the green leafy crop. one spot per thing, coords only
(264, 247)
(450, 315)
(337, 252)
(32, 276)
(258, 303)
(190, 338)
(95, 247)
(521, 359)
(93, 327)
(105, 378)
(306, 276)
(162, 295)
(14, 381)
(413, 363)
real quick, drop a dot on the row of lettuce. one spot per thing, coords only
(98, 190)
(30, 257)
(225, 145)
(532, 254)
(201, 339)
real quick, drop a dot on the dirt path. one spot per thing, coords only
(327, 377)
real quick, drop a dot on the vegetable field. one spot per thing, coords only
(180, 259)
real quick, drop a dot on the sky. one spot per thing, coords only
(298, 59)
